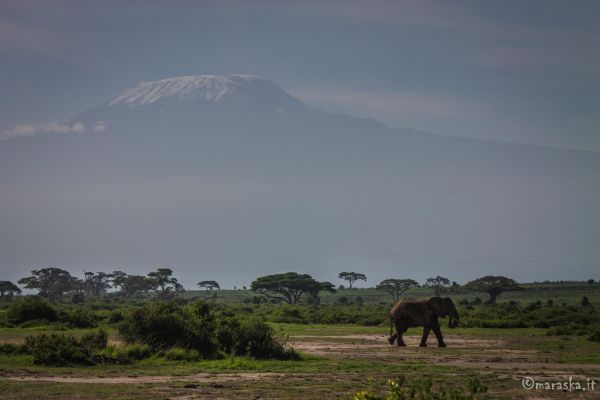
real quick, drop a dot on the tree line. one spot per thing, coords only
(289, 287)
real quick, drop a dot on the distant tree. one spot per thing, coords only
(8, 290)
(209, 285)
(454, 288)
(341, 287)
(591, 281)
(439, 285)
(96, 284)
(493, 286)
(162, 280)
(585, 302)
(51, 283)
(395, 287)
(138, 284)
(352, 277)
(324, 287)
(131, 285)
(359, 300)
(118, 279)
(289, 287)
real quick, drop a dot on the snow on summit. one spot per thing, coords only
(207, 88)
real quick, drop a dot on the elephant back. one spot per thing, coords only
(408, 306)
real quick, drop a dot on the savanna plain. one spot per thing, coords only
(113, 347)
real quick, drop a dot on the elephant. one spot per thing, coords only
(410, 313)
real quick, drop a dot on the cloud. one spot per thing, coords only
(100, 126)
(377, 103)
(50, 127)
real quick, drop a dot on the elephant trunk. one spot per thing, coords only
(454, 319)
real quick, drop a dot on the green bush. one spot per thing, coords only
(158, 325)
(94, 341)
(81, 318)
(31, 308)
(257, 340)
(12, 349)
(197, 329)
(180, 354)
(57, 350)
(595, 336)
(124, 354)
(401, 389)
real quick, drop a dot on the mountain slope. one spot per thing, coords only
(230, 177)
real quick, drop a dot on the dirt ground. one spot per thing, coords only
(507, 360)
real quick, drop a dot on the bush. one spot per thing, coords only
(180, 354)
(124, 354)
(257, 340)
(401, 389)
(94, 341)
(12, 349)
(81, 318)
(57, 350)
(595, 336)
(31, 308)
(158, 325)
(200, 332)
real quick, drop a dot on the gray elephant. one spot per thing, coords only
(410, 313)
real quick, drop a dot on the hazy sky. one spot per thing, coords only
(509, 70)
(521, 71)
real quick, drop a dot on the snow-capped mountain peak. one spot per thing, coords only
(205, 88)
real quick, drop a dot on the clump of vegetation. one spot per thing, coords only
(30, 309)
(124, 354)
(401, 389)
(81, 318)
(595, 336)
(197, 328)
(61, 350)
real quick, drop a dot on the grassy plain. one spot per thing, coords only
(337, 361)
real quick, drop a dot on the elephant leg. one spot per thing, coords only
(401, 328)
(438, 336)
(392, 338)
(426, 330)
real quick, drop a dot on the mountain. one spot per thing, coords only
(228, 177)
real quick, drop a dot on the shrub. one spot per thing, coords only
(94, 341)
(115, 317)
(180, 354)
(81, 318)
(257, 340)
(595, 336)
(30, 308)
(57, 350)
(200, 332)
(401, 389)
(12, 349)
(157, 325)
(124, 354)
(200, 329)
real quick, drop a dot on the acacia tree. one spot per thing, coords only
(51, 282)
(493, 286)
(209, 285)
(162, 280)
(8, 290)
(289, 287)
(95, 284)
(439, 285)
(324, 287)
(396, 287)
(131, 285)
(118, 279)
(352, 277)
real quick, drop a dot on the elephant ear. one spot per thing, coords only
(435, 306)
